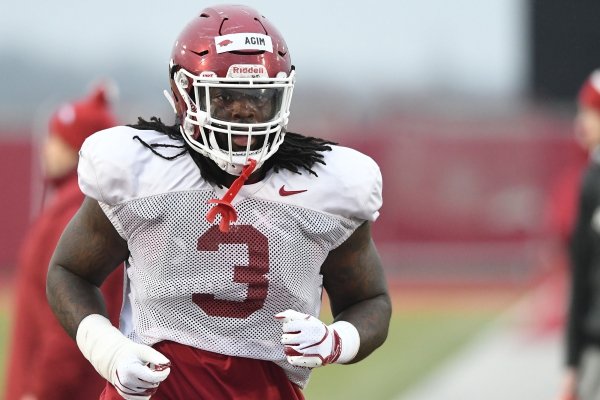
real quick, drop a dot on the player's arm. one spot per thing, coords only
(354, 279)
(355, 282)
(87, 252)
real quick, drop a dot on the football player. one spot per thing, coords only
(230, 227)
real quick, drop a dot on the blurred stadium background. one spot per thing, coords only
(466, 105)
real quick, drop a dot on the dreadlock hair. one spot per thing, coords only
(297, 151)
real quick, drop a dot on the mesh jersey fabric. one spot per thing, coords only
(192, 284)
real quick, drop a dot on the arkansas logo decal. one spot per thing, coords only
(224, 43)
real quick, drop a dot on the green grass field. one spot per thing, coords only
(419, 339)
(4, 330)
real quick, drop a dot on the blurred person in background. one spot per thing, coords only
(582, 375)
(550, 303)
(44, 363)
(231, 228)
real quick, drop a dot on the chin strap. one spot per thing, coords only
(170, 100)
(223, 206)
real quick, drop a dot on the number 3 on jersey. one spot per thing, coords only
(253, 274)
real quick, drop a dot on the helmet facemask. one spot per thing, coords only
(231, 119)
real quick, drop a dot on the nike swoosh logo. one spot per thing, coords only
(283, 192)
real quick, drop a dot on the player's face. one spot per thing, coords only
(587, 127)
(244, 106)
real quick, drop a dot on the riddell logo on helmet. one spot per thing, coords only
(247, 71)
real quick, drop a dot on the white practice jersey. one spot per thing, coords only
(190, 283)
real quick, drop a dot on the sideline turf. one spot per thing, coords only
(419, 339)
(417, 342)
(4, 330)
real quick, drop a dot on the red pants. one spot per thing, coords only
(198, 374)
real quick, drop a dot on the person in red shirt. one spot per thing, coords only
(44, 363)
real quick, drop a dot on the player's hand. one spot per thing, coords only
(135, 370)
(308, 342)
(138, 371)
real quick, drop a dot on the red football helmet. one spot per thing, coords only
(232, 81)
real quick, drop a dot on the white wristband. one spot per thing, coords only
(350, 340)
(134, 369)
(99, 341)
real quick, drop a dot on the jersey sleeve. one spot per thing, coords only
(116, 166)
(354, 185)
(102, 168)
(373, 194)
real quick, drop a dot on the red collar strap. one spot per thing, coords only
(224, 206)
